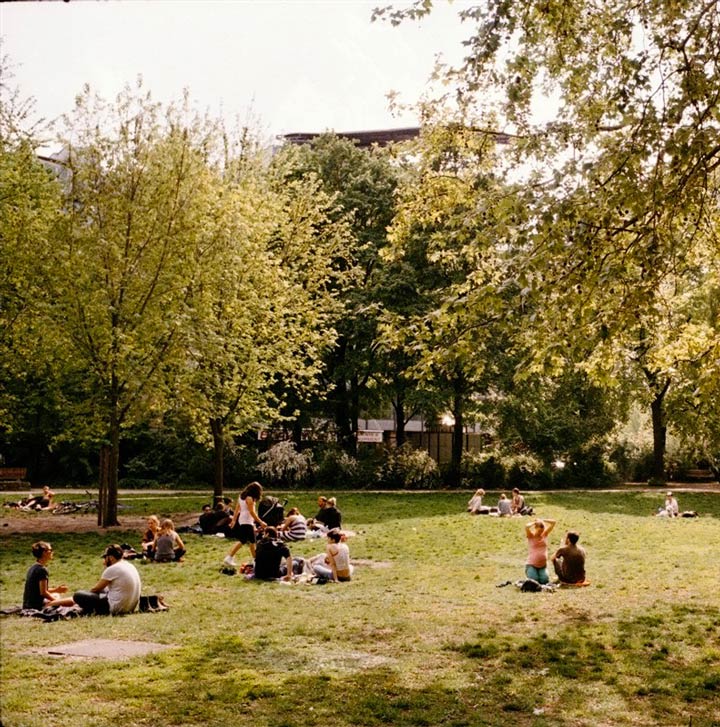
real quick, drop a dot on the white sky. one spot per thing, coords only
(293, 66)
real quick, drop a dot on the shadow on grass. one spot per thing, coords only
(661, 664)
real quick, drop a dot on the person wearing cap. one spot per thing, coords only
(671, 505)
(117, 591)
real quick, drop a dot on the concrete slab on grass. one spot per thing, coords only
(103, 649)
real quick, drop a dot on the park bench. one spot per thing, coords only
(13, 476)
(700, 475)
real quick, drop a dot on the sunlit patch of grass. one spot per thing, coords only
(429, 640)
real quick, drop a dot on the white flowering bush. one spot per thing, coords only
(282, 464)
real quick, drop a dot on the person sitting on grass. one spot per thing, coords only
(269, 554)
(671, 505)
(569, 560)
(37, 593)
(294, 526)
(215, 520)
(504, 507)
(334, 564)
(475, 505)
(168, 545)
(148, 538)
(537, 533)
(40, 502)
(117, 591)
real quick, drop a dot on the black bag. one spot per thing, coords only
(530, 586)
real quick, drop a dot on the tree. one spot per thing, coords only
(29, 207)
(362, 183)
(262, 306)
(122, 261)
(444, 236)
(620, 184)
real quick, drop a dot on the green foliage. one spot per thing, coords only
(335, 469)
(408, 468)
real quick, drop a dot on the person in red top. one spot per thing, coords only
(537, 533)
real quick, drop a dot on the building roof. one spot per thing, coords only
(381, 137)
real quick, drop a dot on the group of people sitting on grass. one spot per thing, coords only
(161, 543)
(117, 591)
(267, 543)
(505, 507)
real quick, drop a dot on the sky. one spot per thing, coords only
(284, 65)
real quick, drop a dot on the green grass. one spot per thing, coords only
(426, 639)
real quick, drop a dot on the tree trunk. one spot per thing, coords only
(110, 456)
(354, 414)
(104, 483)
(455, 471)
(218, 434)
(659, 436)
(399, 407)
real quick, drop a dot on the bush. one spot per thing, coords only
(336, 468)
(283, 465)
(408, 468)
(482, 470)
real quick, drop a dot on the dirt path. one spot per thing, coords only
(43, 522)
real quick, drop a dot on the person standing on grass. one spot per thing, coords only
(537, 533)
(569, 560)
(244, 519)
(37, 593)
(117, 591)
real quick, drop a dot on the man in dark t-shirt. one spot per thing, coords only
(269, 553)
(329, 515)
(569, 561)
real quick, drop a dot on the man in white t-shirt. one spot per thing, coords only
(117, 591)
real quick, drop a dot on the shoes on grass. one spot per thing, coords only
(229, 560)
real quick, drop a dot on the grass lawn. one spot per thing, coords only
(421, 636)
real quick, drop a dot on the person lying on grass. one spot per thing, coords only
(40, 502)
(37, 592)
(569, 560)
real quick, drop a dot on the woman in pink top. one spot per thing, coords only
(537, 533)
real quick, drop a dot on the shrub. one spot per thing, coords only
(481, 469)
(408, 468)
(282, 464)
(336, 468)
